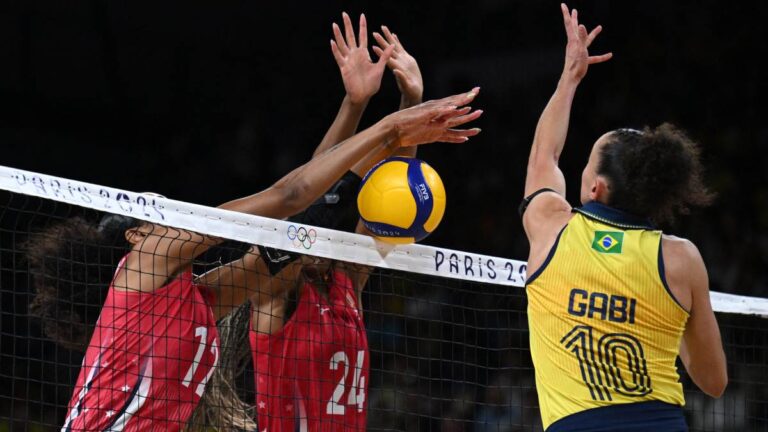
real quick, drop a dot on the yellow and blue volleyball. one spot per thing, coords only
(401, 200)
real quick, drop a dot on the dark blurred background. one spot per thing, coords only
(205, 101)
(208, 101)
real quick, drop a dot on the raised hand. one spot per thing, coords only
(403, 65)
(577, 58)
(436, 121)
(361, 76)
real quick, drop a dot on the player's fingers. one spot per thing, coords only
(447, 138)
(458, 135)
(462, 111)
(575, 21)
(453, 116)
(461, 99)
(385, 56)
(376, 50)
(390, 38)
(599, 59)
(384, 44)
(363, 35)
(463, 119)
(583, 34)
(593, 34)
(400, 75)
(336, 54)
(462, 132)
(566, 17)
(397, 39)
(380, 40)
(349, 31)
(340, 43)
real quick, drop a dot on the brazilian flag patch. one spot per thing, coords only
(608, 241)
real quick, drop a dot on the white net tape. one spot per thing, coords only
(306, 239)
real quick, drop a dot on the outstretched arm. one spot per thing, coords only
(409, 81)
(428, 122)
(549, 139)
(547, 214)
(361, 77)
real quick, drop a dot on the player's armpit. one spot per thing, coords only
(546, 212)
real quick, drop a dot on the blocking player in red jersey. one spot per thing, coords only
(307, 335)
(154, 345)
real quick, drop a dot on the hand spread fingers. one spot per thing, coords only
(363, 35)
(340, 42)
(349, 32)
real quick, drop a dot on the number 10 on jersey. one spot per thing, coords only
(602, 365)
(356, 395)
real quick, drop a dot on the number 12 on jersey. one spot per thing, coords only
(356, 392)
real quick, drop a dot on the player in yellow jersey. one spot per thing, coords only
(612, 301)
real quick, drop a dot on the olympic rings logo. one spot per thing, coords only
(301, 236)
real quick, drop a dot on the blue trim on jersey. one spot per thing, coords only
(386, 230)
(633, 417)
(612, 216)
(423, 196)
(550, 255)
(663, 276)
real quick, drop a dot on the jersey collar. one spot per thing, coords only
(612, 216)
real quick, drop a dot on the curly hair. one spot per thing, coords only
(656, 173)
(71, 264)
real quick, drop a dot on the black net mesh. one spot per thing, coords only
(443, 355)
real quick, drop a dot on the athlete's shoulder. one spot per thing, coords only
(680, 250)
(685, 272)
(546, 214)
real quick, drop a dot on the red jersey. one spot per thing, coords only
(312, 375)
(149, 358)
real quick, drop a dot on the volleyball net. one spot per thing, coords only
(446, 339)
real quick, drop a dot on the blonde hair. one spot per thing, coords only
(221, 408)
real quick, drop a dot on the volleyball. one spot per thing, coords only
(401, 200)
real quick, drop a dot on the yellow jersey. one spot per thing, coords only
(604, 328)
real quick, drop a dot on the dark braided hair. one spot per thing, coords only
(71, 264)
(656, 173)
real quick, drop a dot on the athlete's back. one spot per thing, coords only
(148, 361)
(605, 330)
(312, 375)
